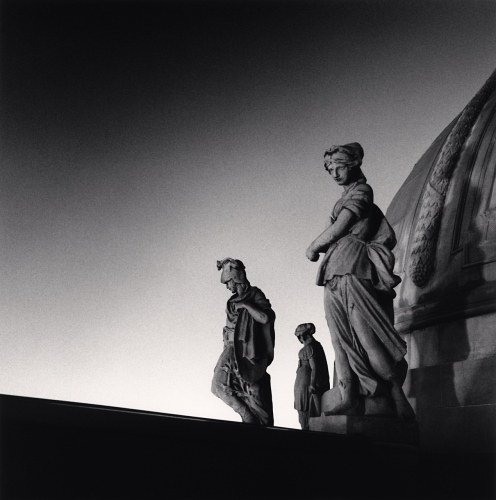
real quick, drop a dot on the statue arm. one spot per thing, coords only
(329, 222)
(258, 315)
(344, 222)
(313, 375)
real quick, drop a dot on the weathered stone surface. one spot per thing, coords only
(379, 405)
(470, 382)
(423, 388)
(452, 341)
(387, 429)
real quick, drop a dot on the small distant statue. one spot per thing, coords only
(240, 376)
(312, 376)
(357, 273)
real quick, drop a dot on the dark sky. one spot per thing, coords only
(90, 72)
(142, 141)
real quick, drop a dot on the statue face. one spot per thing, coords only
(338, 167)
(305, 339)
(231, 286)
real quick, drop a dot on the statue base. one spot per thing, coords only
(379, 405)
(377, 428)
(374, 418)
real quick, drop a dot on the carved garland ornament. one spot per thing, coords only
(423, 253)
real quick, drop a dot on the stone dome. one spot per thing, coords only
(444, 217)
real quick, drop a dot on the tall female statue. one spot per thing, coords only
(357, 273)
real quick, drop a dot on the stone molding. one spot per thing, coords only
(455, 306)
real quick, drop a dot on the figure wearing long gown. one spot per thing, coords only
(312, 375)
(357, 275)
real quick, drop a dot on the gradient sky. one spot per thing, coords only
(143, 141)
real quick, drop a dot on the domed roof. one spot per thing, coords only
(444, 216)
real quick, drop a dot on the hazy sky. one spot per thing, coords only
(142, 142)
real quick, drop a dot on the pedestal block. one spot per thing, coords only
(378, 428)
(379, 405)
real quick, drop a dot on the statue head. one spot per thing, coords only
(304, 332)
(343, 162)
(353, 151)
(232, 269)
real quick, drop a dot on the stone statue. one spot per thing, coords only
(240, 376)
(312, 376)
(357, 273)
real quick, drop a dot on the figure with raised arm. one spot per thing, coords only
(312, 375)
(240, 376)
(356, 272)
